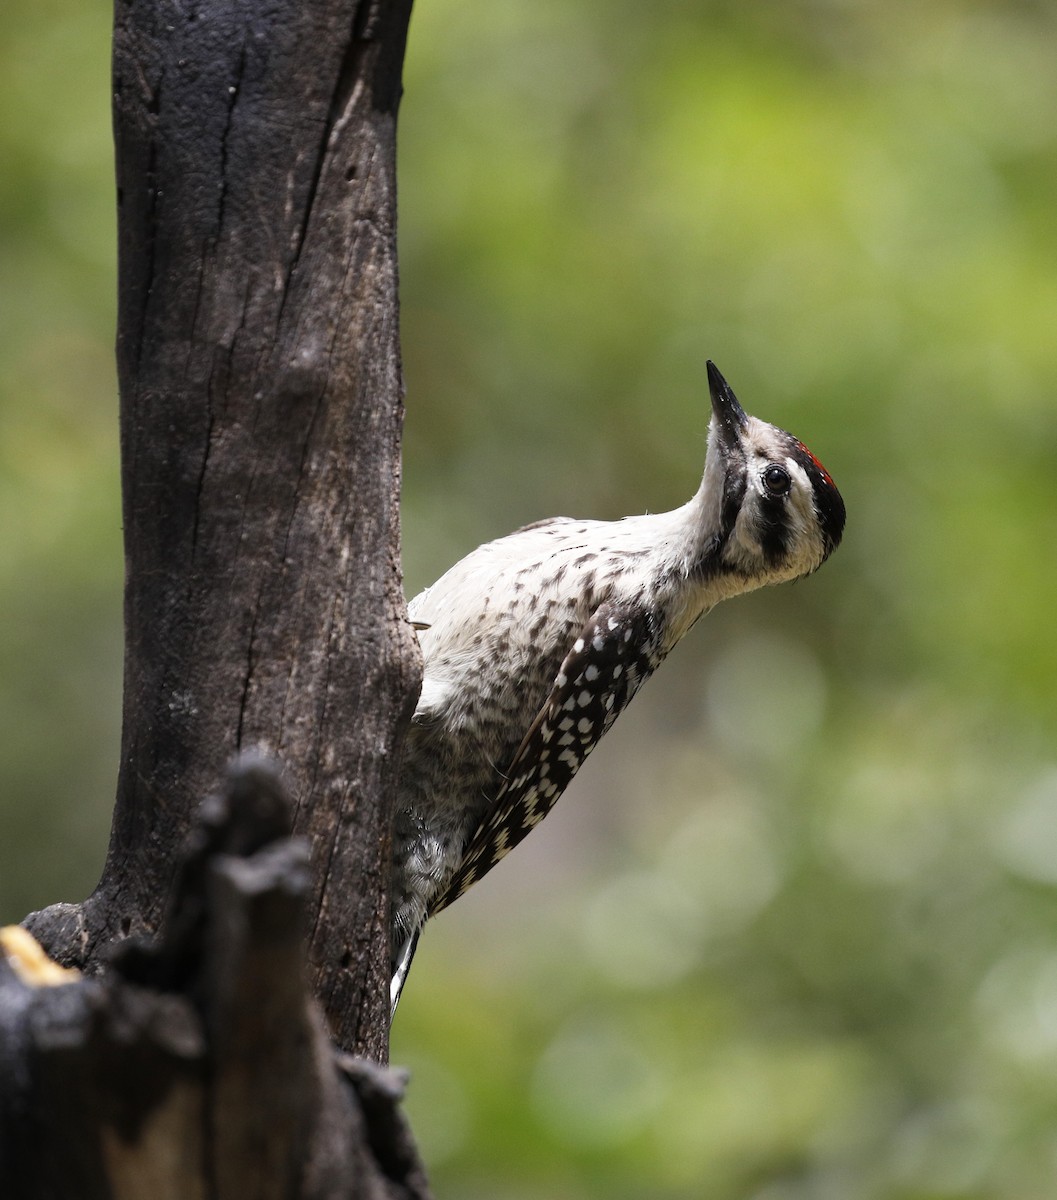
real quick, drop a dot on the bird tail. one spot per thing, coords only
(401, 965)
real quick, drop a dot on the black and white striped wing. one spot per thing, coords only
(617, 650)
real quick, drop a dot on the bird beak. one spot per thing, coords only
(729, 416)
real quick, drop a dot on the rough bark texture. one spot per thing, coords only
(260, 384)
(197, 1065)
(259, 368)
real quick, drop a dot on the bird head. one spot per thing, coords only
(777, 513)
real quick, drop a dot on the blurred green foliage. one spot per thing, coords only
(792, 934)
(60, 532)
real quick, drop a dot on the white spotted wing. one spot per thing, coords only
(616, 651)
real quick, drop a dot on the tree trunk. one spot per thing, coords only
(197, 1064)
(260, 381)
(261, 405)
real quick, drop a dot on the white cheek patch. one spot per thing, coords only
(803, 523)
(799, 500)
(800, 494)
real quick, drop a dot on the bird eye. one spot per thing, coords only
(776, 480)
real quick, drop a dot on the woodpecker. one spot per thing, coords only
(534, 643)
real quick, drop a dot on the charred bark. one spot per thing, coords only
(198, 1063)
(231, 960)
(261, 404)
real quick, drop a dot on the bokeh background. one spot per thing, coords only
(792, 933)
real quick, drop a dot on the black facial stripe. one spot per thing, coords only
(829, 505)
(831, 514)
(772, 528)
(733, 496)
(711, 561)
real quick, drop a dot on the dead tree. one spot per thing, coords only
(260, 382)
